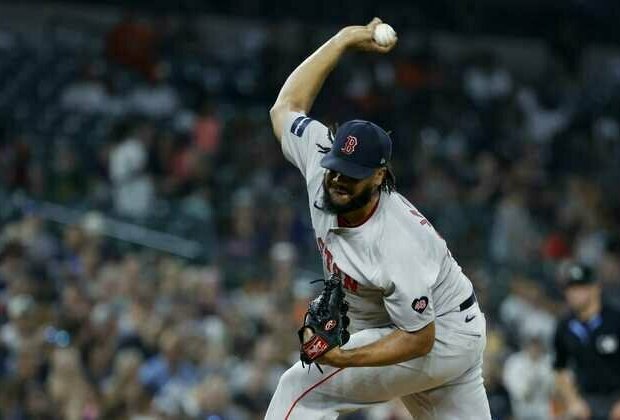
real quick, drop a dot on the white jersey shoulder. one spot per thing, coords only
(302, 139)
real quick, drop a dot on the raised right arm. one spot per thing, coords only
(303, 85)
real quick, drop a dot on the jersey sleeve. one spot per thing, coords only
(301, 138)
(408, 297)
(560, 360)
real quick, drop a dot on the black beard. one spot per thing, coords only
(356, 202)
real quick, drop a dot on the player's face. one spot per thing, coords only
(343, 194)
(580, 297)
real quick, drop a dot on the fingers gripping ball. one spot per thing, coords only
(384, 34)
(325, 324)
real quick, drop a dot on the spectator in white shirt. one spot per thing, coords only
(156, 99)
(133, 189)
(529, 379)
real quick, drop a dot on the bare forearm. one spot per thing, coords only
(565, 386)
(303, 85)
(396, 347)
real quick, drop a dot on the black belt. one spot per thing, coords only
(467, 303)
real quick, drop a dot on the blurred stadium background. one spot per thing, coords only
(156, 247)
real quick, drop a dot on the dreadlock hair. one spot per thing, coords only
(331, 135)
(388, 184)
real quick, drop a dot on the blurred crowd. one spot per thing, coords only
(517, 173)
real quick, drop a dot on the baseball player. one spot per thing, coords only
(417, 331)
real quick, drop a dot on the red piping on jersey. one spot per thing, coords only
(343, 223)
(290, 410)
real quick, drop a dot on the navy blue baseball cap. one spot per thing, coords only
(359, 148)
(575, 274)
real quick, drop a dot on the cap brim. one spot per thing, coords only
(345, 167)
(579, 283)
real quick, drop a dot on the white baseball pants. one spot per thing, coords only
(446, 384)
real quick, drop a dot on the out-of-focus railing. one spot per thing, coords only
(106, 226)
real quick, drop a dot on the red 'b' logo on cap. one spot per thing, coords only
(349, 145)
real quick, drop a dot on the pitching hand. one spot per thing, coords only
(361, 38)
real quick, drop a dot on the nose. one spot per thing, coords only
(338, 176)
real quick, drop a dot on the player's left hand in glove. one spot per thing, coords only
(325, 324)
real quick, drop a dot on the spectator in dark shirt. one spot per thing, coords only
(587, 343)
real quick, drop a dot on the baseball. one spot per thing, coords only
(384, 34)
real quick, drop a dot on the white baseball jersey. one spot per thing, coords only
(396, 268)
(397, 273)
